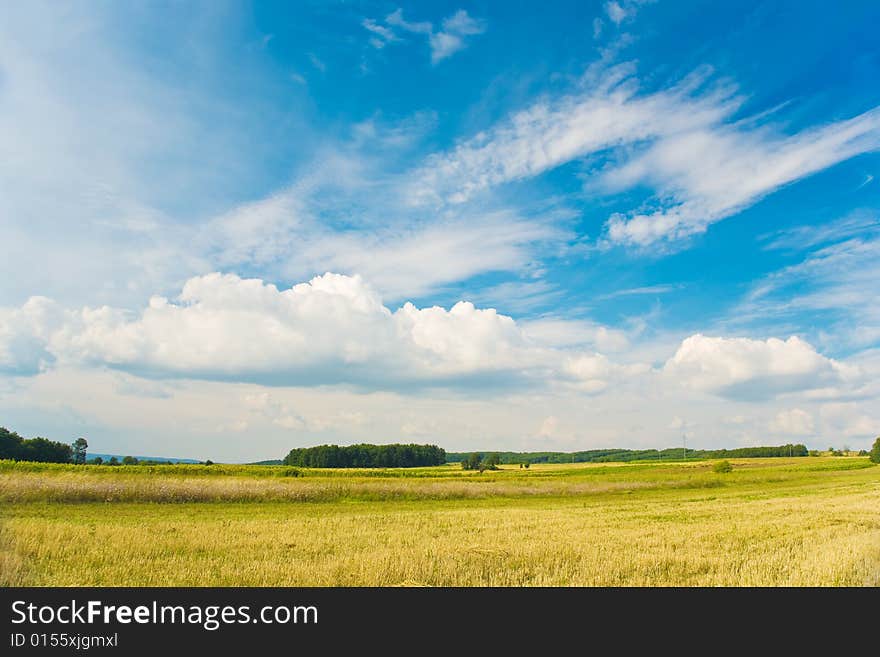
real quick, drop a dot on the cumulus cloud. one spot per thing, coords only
(333, 329)
(793, 422)
(753, 369)
(24, 334)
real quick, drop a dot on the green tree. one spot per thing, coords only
(80, 445)
(44, 450)
(10, 444)
(875, 451)
(129, 460)
(722, 466)
(97, 461)
(113, 461)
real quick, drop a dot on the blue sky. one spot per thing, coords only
(236, 228)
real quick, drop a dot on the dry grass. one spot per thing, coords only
(774, 522)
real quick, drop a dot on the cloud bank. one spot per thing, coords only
(335, 329)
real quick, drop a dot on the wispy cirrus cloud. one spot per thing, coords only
(382, 35)
(705, 175)
(835, 280)
(638, 291)
(608, 113)
(444, 42)
(684, 142)
(328, 221)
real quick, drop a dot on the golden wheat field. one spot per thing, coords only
(811, 521)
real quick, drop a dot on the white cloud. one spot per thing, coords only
(619, 11)
(413, 260)
(555, 131)
(753, 369)
(711, 172)
(383, 34)
(451, 38)
(256, 233)
(444, 42)
(634, 291)
(793, 422)
(284, 235)
(396, 18)
(836, 280)
(615, 12)
(847, 419)
(681, 141)
(333, 329)
(800, 238)
(556, 332)
(24, 334)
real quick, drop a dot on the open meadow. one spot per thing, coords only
(811, 521)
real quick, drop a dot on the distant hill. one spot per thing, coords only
(269, 462)
(163, 459)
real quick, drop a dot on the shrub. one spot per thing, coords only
(722, 466)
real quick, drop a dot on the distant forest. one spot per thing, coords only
(16, 448)
(366, 456)
(626, 455)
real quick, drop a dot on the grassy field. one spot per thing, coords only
(811, 521)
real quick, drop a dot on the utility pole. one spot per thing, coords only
(684, 448)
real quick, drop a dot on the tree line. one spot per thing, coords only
(366, 456)
(17, 448)
(626, 455)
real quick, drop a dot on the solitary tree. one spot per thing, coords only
(79, 450)
(129, 460)
(113, 461)
(875, 451)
